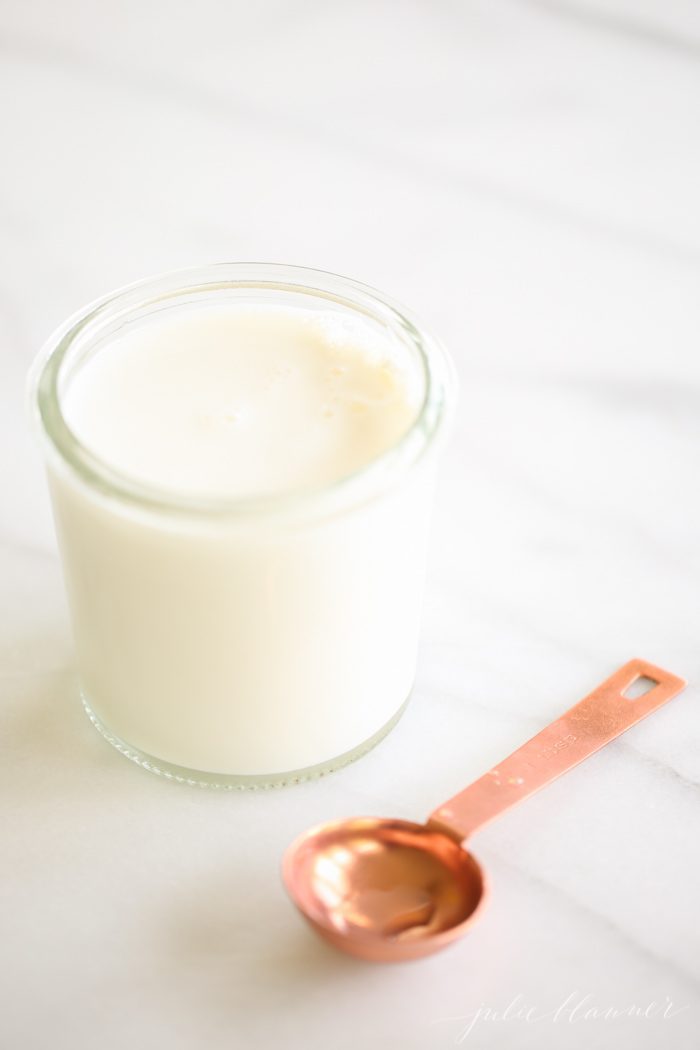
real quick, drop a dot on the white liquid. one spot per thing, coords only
(241, 401)
(252, 645)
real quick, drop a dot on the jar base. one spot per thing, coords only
(232, 781)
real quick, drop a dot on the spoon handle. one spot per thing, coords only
(605, 713)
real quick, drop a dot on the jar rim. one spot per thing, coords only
(379, 473)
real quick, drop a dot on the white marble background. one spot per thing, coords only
(526, 176)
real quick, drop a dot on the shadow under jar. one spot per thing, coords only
(230, 633)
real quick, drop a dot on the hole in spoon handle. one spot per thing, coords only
(596, 720)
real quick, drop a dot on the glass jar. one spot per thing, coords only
(252, 641)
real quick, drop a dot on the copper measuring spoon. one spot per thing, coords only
(389, 890)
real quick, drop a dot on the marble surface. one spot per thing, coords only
(525, 175)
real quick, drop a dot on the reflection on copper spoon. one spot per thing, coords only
(389, 890)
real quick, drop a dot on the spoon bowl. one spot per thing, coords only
(384, 889)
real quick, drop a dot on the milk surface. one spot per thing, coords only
(241, 401)
(245, 644)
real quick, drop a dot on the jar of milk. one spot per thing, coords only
(241, 462)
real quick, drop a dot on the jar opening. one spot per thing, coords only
(129, 309)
